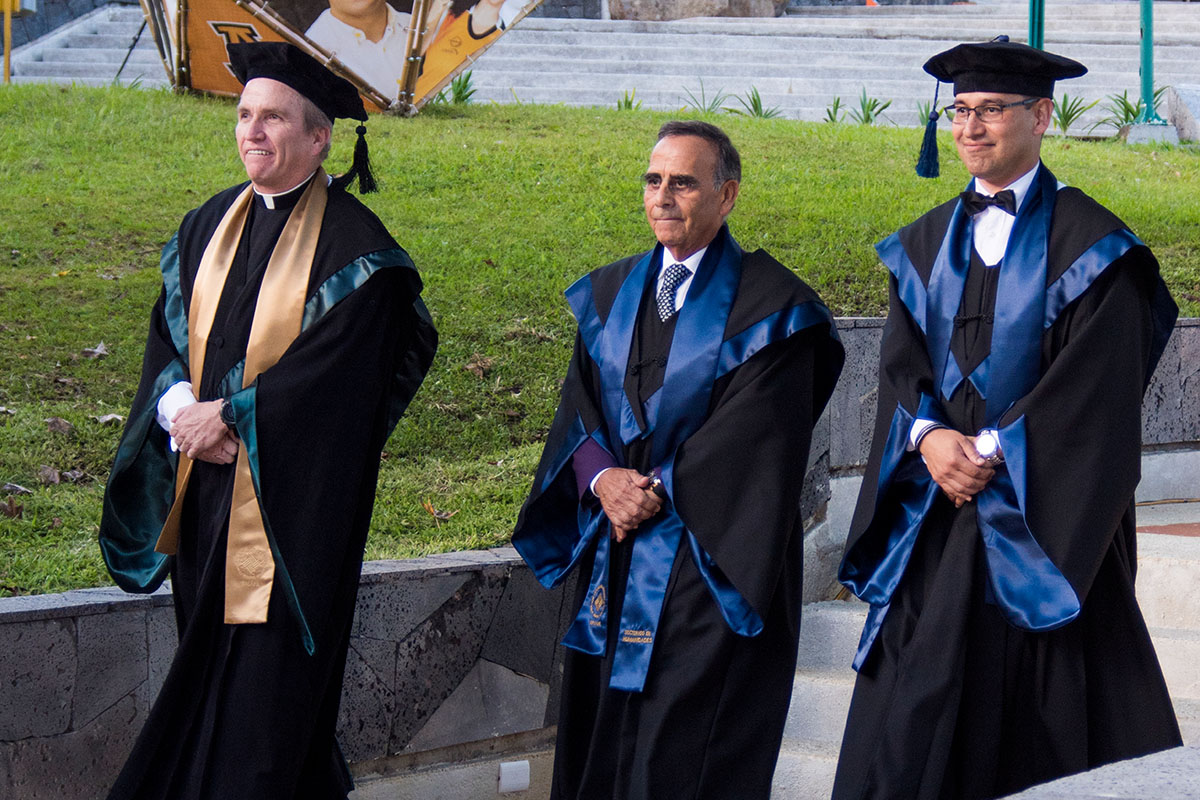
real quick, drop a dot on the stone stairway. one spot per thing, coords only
(89, 51)
(799, 63)
(1167, 566)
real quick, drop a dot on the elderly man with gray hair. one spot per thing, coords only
(671, 479)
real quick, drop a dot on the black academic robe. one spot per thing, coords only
(953, 699)
(710, 717)
(247, 711)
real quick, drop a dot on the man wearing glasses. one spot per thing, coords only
(994, 534)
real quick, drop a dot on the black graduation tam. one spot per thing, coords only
(1002, 66)
(335, 96)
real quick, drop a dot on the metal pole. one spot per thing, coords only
(8, 12)
(1149, 115)
(1037, 24)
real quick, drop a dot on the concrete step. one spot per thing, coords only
(1179, 655)
(469, 780)
(1168, 567)
(804, 771)
(99, 56)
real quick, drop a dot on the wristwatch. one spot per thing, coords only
(227, 415)
(987, 444)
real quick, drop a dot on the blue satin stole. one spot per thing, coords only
(1029, 589)
(698, 357)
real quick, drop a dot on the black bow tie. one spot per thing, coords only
(974, 202)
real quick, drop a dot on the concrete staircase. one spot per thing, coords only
(89, 51)
(799, 63)
(1167, 566)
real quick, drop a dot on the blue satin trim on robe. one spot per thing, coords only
(1028, 588)
(1079, 276)
(245, 404)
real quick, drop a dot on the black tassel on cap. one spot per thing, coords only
(361, 165)
(927, 162)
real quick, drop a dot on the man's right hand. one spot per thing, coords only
(955, 464)
(627, 499)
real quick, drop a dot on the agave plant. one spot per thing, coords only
(705, 104)
(1068, 110)
(752, 106)
(627, 103)
(834, 112)
(870, 109)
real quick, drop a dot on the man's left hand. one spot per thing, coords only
(199, 432)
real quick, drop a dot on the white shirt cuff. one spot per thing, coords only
(176, 398)
(592, 485)
(917, 430)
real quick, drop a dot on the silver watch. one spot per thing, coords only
(987, 444)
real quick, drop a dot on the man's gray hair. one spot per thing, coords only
(315, 118)
(729, 163)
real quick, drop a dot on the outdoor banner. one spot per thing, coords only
(399, 54)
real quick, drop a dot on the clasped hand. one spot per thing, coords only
(199, 433)
(955, 464)
(627, 499)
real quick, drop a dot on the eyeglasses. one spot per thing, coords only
(985, 113)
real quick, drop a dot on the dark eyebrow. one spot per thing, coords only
(650, 176)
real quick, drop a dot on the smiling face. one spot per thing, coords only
(276, 147)
(1000, 152)
(684, 208)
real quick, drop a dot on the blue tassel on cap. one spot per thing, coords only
(927, 162)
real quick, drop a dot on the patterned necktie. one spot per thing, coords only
(675, 275)
(974, 202)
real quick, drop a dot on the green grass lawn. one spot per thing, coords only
(501, 207)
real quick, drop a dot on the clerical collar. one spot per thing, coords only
(1019, 187)
(281, 201)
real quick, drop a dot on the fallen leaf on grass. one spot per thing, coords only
(16, 488)
(99, 351)
(56, 522)
(48, 475)
(9, 411)
(59, 425)
(12, 509)
(73, 475)
(439, 516)
(109, 419)
(479, 366)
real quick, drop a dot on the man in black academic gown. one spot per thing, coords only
(671, 476)
(994, 534)
(288, 339)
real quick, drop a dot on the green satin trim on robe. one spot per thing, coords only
(245, 404)
(141, 485)
(173, 309)
(141, 488)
